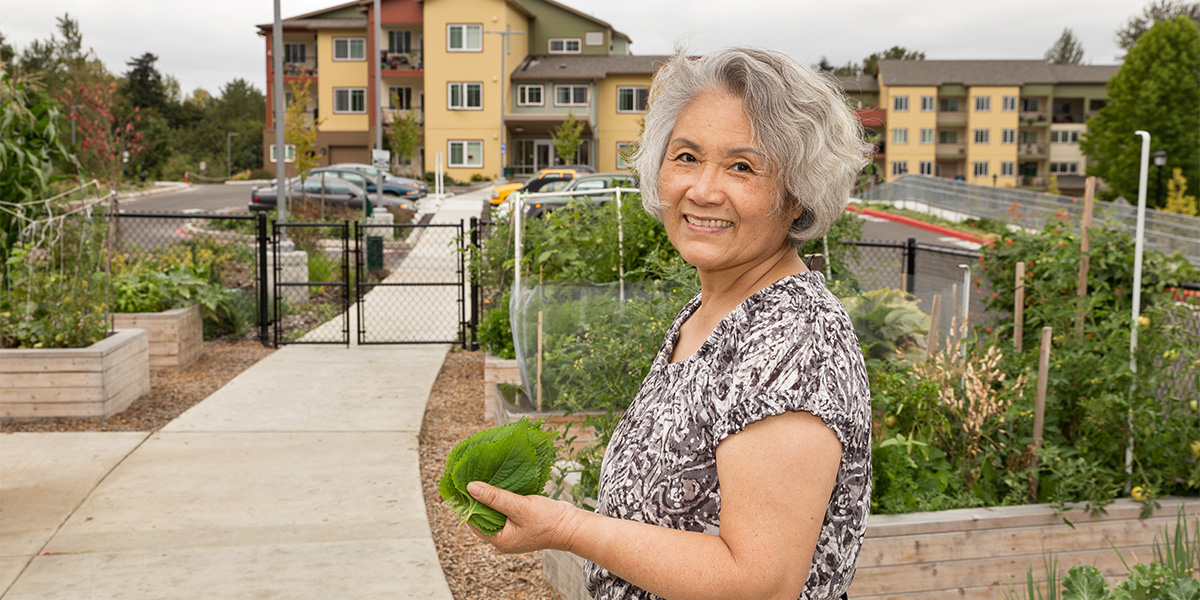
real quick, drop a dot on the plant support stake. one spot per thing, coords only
(1139, 246)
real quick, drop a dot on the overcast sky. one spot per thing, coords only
(207, 43)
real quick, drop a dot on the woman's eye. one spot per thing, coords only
(743, 168)
(685, 157)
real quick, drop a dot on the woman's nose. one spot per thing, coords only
(705, 188)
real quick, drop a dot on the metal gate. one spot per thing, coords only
(410, 283)
(310, 282)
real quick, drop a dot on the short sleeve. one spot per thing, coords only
(791, 356)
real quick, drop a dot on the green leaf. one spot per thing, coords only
(1084, 583)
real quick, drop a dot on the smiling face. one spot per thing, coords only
(719, 195)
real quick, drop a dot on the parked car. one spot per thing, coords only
(539, 206)
(537, 181)
(371, 171)
(334, 191)
(364, 180)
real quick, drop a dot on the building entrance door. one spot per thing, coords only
(543, 153)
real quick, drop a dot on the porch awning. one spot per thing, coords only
(538, 125)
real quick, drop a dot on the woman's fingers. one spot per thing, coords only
(491, 496)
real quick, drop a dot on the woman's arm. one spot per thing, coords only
(776, 479)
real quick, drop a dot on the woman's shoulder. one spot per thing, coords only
(795, 303)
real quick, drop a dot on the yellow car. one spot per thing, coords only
(542, 178)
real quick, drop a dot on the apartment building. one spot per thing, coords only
(488, 80)
(992, 122)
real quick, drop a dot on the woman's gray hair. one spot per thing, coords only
(812, 140)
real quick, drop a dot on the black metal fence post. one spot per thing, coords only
(476, 290)
(910, 269)
(262, 238)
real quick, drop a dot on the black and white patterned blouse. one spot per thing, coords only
(790, 346)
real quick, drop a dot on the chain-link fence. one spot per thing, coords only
(1164, 232)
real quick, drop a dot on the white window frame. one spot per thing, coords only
(900, 167)
(926, 167)
(464, 93)
(289, 49)
(946, 103)
(564, 45)
(1008, 136)
(1064, 137)
(466, 151)
(523, 95)
(349, 57)
(983, 103)
(900, 103)
(465, 27)
(980, 168)
(982, 136)
(350, 101)
(1009, 104)
(947, 133)
(289, 153)
(928, 103)
(401, 95)
(645, 93)
(623, 148)
(900, 136)
(1064, 168)
(593, 38)
(587, 93)
(1008, 169)
(402, 35)
(928, 136)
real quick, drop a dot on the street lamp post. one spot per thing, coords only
(229, 153)
(1160, 161)
(504, 46)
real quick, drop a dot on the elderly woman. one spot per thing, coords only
(742, 468)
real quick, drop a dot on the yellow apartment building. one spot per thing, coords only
(488, 80)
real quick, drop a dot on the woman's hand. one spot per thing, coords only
(534, 522)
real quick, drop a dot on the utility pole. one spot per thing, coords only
(280, 149)
(505, 48)
(378, 103)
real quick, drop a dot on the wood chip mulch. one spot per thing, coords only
(473, 568)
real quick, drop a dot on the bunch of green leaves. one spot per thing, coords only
(148, 288)
(517, 457)
(495, 332)
(889, 321)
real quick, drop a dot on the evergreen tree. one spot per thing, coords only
(144, 86)
(1178, 201)
(871, 63)
(1066, 51)
(1155, 91)
(1158, 10)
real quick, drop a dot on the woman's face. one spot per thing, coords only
(719, 195)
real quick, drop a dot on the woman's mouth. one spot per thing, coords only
(697, 221)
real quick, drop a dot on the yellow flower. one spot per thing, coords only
(1143, 321)
(1138, 494)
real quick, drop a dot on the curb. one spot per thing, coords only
(156, 191)
(918, 224)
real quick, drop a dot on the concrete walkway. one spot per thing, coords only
(298, 479)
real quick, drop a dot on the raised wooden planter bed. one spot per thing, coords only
(506, 410)
(969, 553)
(176, 336)
(79, 383)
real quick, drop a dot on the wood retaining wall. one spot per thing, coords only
(176, 336)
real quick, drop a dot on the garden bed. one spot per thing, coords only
(176, 336)
(509, 404)
(94, 382)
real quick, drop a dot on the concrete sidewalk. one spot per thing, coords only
(298, 479)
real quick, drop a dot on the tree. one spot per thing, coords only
(1178, 201)
(300, 131)
(1159, 10)
(144, 85)
(567, 139)
(1155, 91)
(1066, 51)
(107, 141)
(404, 134)
(871, 63)
(824, 65)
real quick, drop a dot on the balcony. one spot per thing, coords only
(952, 118)
(1069, 117)
(402, 64)
(1034, 119)
(1031, 150)
(389, 115)
(302, 69)
(951, 151)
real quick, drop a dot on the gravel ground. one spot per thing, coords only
(473, 569)
(171, 393)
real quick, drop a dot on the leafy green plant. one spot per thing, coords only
(888, 321)
(517, 457)
(495, 333)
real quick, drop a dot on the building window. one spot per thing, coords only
(949, 105)
(465, 96)
(1029, 104)
(631, 99)
(983, 103)
(928, 103)
(400, 98)
(900, 167)
(530, 95)
(350, 100)
(466, 153)
(349, 48)
(1008, 169)
(1029, 137)
(927, 167)
(594, 38)
(464, 38)
(399, 42)
(947, 137)
(926, 136)
(570, 95)
(981, 169)
(899, 136)
(900, 103)
(293, 53)
(565, 46)
(1064, 168)
(1064, 137)
(624, 153)
(289, 153)
(1010, 104)
(982, 135)
(1008, 136)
